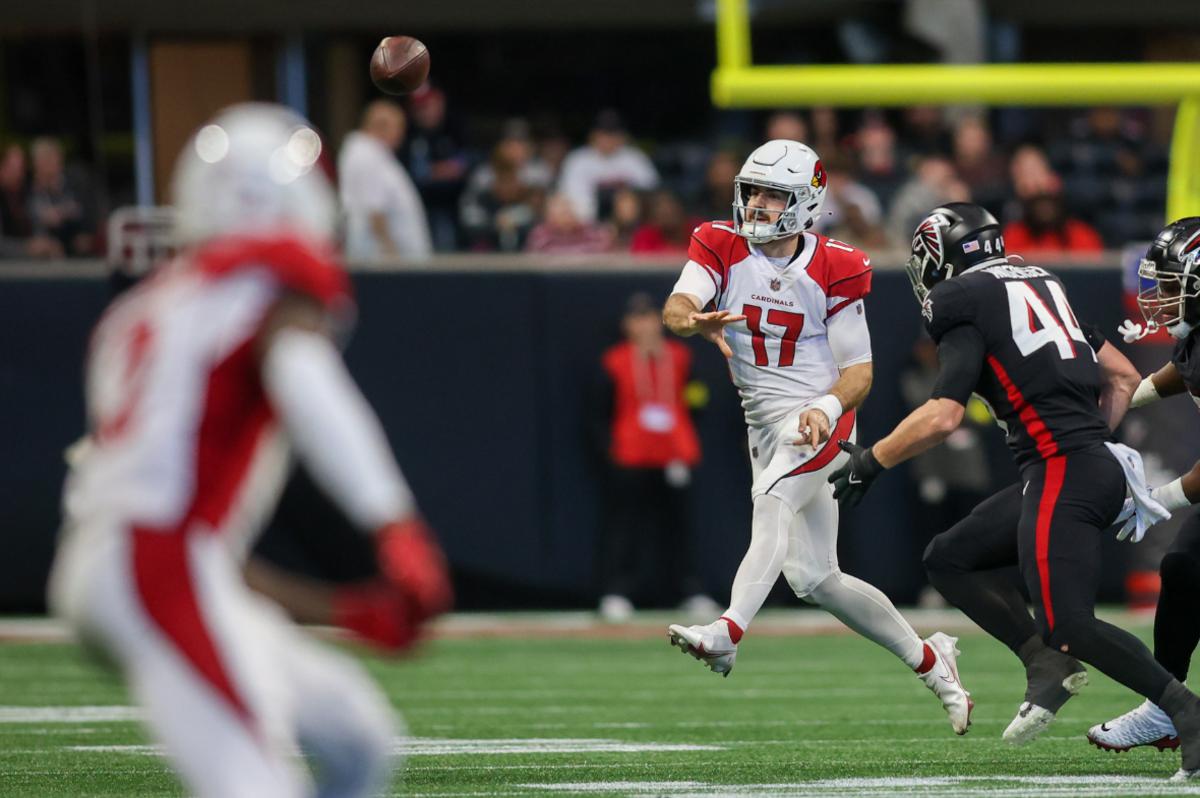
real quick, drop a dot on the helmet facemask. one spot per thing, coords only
(1167, 298)
(750, 222)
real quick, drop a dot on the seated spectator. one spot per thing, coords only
(1045, 227)
(592, 173)
(851, 212)
(438, 162)
(879, 166)
(626, 217)
(59, 207)
(504, 195)
(668, 230)
(717, 200)
(977, 162)
(825, 137)
(934, 183)
(786, 125)
(14, 193)
(384, 214)
(564, 233)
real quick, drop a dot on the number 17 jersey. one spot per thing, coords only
(781, 352)
(1040, 374)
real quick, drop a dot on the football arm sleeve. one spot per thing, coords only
(696, 281)
(333, 428)
(849, 337)
(961, 351)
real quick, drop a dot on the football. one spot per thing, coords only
(400, 64)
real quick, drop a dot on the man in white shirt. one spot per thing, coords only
(384, 215)
(605, 164)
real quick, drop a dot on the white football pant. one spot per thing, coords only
(230, 687)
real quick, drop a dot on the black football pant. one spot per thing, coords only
(1177, 621)
(646, 549)
(1062, 507)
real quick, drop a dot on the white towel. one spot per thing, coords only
(1141, 510)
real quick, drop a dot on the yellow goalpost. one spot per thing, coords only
(738, 83)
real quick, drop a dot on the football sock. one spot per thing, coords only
(989, 598)
(1176, 623)
(763, 562)
(866, 610)
(1114, 652)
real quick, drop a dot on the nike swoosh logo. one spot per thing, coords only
(853, 480)
(866, 261)
(1104, 727)
(948, 679)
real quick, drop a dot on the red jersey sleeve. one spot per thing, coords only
(842, 271)
(715, 246)
(296, 264)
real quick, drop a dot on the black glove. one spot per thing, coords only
(851, 481)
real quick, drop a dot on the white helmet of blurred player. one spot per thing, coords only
(253, 169)
(788, 167)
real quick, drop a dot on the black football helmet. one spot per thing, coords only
(950, 240)
(1170, 273)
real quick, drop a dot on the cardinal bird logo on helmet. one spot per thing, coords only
(819, 178)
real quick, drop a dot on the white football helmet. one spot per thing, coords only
(253, 169)
(786, 166)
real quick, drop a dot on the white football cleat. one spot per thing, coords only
(1146, 725)
(943, 680)
(710, 644)
(1033, 719)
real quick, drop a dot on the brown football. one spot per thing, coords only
(400, 64)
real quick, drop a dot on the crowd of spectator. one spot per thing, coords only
(413, 182)
(1101, 181)
(45, 210)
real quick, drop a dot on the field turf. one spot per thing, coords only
(617, 711)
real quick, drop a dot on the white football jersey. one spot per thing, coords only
(782, 355)
(181, 433)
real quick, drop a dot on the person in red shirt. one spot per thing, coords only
(651, 447)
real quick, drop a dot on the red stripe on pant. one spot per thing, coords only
(162, 572)
(1056, 471)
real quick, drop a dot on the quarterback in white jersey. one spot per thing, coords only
(197, 379)
(785, 306)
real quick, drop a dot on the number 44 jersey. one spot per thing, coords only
(782, 352)
(1039, 372)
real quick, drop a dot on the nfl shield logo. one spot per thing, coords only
(776, 284)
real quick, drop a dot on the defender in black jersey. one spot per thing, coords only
(1006, 331)
(1171, 301)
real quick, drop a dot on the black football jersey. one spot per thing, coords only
(1186, 358)
(1040, 374)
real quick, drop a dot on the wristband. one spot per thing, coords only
(830, 406)
(1145, 393)
(1172, 496)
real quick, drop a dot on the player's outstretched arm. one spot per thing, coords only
(1121, 380)
(682, 316)
(1165, 382)
(344, 446)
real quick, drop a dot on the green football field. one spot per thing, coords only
(545, 709)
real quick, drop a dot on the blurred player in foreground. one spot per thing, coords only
(1007, 331)
(791, 303)
(196, 379)
(1171, 301)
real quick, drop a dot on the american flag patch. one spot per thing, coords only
(970, 246)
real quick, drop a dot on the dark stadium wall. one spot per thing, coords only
(481, 381)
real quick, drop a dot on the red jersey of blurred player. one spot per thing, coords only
(785, 305)
(197, 379)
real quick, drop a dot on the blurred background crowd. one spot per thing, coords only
(1062, 181)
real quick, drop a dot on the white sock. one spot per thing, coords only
(763, 561)
(866, 610)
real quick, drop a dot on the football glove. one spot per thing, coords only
(854, 478)
(376, 613)
(411, 560)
